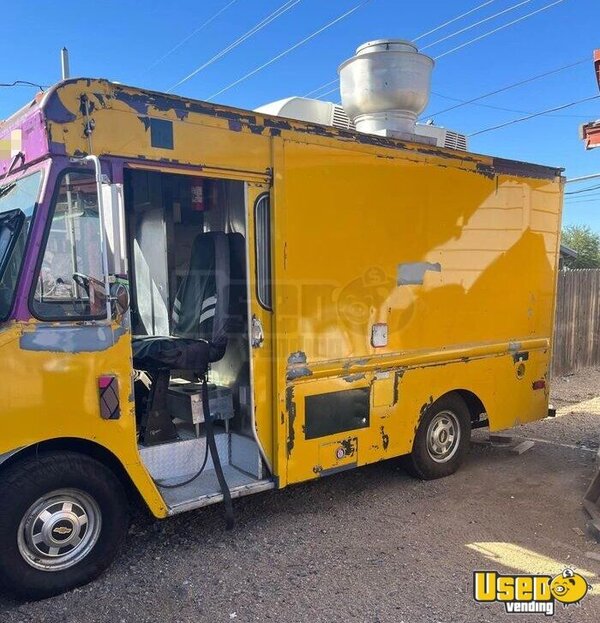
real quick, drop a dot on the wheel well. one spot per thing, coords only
(475, 406)
(81, 446)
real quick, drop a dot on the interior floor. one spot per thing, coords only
(185, 474)
(205, 490)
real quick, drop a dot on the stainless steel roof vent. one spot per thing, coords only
(385, 87)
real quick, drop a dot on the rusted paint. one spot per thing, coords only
(385, 438)
(297, 357)
(520, 356)
(398, 377)
(298, 373)
(291, 411)
(101, 99)
(351, 378)
(356, 362)
(524, 169)
(350, 446)
(297, 367)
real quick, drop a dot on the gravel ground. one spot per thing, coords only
(370, 545)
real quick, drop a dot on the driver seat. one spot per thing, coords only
(200, 321)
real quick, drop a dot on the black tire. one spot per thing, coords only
(85, 484)
(425, 462)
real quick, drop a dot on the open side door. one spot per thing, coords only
(260, 322)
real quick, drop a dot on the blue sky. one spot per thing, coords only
(123, 40)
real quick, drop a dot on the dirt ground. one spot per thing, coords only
(370, 545)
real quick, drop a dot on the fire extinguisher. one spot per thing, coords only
(197, 194)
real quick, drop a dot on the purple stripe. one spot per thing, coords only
(36, 235)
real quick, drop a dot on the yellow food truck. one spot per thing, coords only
(199, 303)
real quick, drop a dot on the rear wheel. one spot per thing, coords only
(63, 519)
(442, 439)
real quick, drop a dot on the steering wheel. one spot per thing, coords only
(95, 291)
(84, 281)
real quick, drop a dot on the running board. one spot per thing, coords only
(204, 490)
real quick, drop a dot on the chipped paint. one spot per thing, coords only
(350, 446)
(297, 367)
(70, 339)
(297, 357)
(298, 373)
(385, 438)
(398, 377)
(516, 168)
(352, 378)
(56, 111)
(413, 273)
(291, 411)
(350, 363)
(520, 356)
(235, 143)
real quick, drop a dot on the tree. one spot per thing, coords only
(586, 242)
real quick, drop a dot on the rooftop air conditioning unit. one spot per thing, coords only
(328, 113)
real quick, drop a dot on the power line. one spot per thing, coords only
(570, 203)
(481, 21)
(334, 81)
(192, 34)
(22, 83)
(485, 95)
(334, 90)
(511, 86)
(581, 199)
(491, 32)
(583, 190)
(524, 112)
(284, 8)
(290, 49)
(533, 115)
(454, 19)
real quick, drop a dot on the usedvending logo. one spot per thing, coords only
(528, 594)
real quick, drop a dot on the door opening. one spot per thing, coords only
(187, 249)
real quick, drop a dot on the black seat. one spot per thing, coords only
(201, 322)
(200, 313)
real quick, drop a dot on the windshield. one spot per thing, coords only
(17, 203)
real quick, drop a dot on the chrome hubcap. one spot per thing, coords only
(59, 530)
(443, 436)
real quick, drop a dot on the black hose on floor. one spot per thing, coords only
(214, 453)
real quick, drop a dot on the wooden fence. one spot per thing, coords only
(577, 328)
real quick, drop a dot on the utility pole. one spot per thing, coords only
(64, 63)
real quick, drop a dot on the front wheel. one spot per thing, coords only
(63, 519)
(442, 439)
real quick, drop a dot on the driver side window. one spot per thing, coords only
(70, 282)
